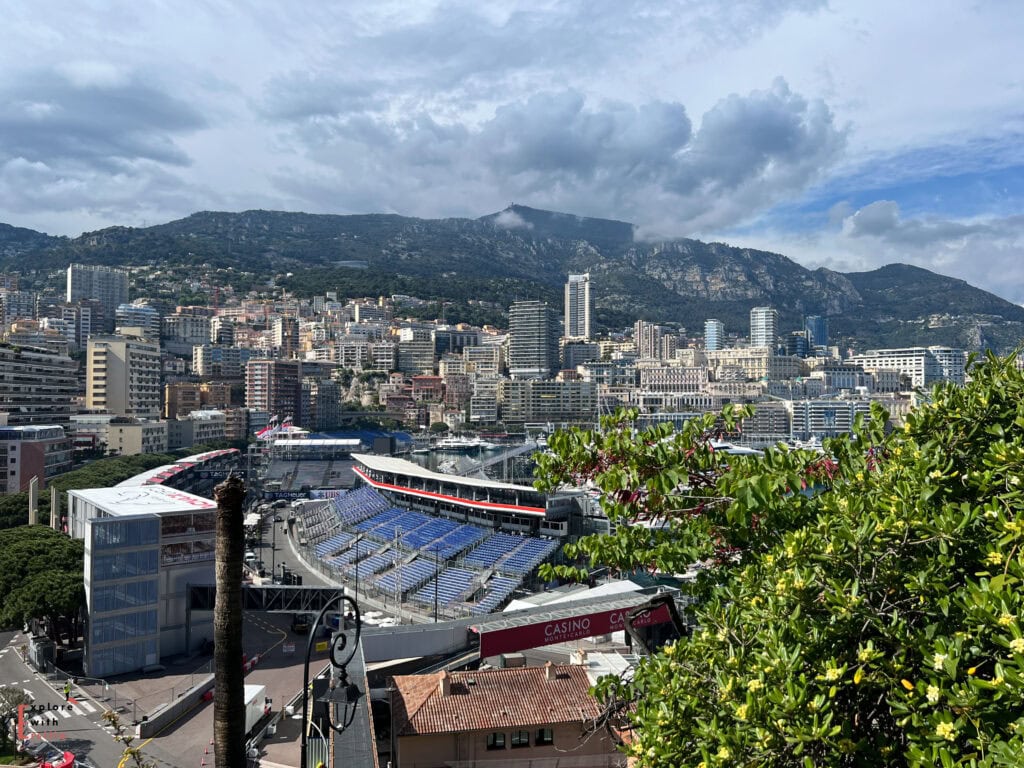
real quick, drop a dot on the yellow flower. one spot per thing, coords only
(945, 731)
(907, 684)
(935, 474)
(1017, 645)
(972, 670)
(994, 558)
(865, 654)
(932, 694)
(755, 685)
(997, 680)
(723, 753)
(938, 660)
(832, 674)
(741, 711)
(1005, 620)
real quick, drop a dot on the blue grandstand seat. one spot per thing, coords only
(498, 590)
(451, 585)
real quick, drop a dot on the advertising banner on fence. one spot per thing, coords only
(511, 639)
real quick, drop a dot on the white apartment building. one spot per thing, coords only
(36, 386)
(487, 360)
(764, 327)
(756, 363)
(672, 378)
(534, 400)
(123, 376)
(825, 418)
(924, 365)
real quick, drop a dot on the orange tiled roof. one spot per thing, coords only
(492, 699)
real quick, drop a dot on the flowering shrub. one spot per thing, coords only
(859, 609)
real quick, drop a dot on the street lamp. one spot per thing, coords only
(356, 561)
(437, 574)
(342, 651)
(273, 552)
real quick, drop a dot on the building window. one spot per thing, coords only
(496, 741)
(545, 737)
(520, 739)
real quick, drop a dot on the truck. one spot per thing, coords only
(256, 706)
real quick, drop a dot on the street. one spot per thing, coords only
(80, 729)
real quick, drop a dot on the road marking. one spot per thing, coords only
(86, 706)
(65, 714)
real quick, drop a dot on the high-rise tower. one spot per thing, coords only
(107, 285)
(764, 326)
(532, 340)
(817, 330)
(577, 307)
(714, 335)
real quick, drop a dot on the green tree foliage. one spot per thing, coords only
(876, 618)
(40, 575)
(10, 699)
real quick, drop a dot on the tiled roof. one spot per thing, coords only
(492, 699)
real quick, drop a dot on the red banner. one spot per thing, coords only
(513, 639)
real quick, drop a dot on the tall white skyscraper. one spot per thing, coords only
(714, 335)
(764, 326)
(577, 307)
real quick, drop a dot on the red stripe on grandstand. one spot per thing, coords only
(457, 499)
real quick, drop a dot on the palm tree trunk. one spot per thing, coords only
(229, 696)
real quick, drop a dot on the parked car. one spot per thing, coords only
(301, 622)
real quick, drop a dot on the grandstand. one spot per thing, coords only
(196, 474)
(409, 554)
(309, 467)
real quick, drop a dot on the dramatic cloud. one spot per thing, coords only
(847, 130)
(986, 252)
(558, 150)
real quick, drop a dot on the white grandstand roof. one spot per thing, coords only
(320, 442)
(143, 499)
(405, 467)
(142, 477)
(556, 597)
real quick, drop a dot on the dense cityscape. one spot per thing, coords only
(534, 384)
(339, 412)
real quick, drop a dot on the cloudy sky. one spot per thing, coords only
(844, 134)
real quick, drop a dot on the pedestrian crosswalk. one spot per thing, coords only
(79, 707)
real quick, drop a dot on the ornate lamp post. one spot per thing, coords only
(343, 648)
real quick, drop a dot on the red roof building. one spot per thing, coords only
(526, 716)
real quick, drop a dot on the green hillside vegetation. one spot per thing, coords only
(525, 252)
(861, 608)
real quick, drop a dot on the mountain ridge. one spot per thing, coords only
(528, 252)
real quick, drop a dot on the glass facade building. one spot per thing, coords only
(143, 547)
